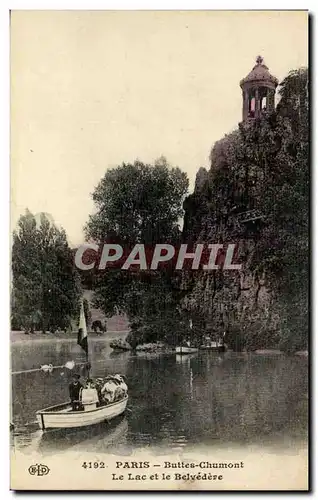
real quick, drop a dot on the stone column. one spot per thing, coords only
(267, 99)
(245, 104)
(257, 103)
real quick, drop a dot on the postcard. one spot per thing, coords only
(159, 250)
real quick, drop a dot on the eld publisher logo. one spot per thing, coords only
(38, 470)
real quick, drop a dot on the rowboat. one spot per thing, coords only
(82, 411)
(186, 350)
(63, 417)
(213, 346)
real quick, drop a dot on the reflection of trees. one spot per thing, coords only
(35, 390)
(234, 399)
(160, 397)
(229, 397)
(250, 398)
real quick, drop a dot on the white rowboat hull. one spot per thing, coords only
(62, 417)
(213, 346)
(186, 350)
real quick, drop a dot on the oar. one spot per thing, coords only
(39, 369)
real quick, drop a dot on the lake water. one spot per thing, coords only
(174, 403)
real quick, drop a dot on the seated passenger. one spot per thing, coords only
(89, 395)
(99, 384)
(109, 389)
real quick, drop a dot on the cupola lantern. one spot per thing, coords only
(258, 91)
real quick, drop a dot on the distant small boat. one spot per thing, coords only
(186, 350)
(62, 417)
(213, 346)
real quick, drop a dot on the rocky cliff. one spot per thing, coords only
(241, 303)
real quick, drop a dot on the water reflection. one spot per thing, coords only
(173, 401)
(101, 437)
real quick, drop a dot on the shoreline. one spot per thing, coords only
(20, 337)
(17, 337)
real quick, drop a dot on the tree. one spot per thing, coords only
(137, 203)
(45, 283)
(26, 274)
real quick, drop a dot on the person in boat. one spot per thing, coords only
(114, 388)
(99, 382)
(89, 395)
(109, 388)
(186, 343)
(122, 388)
(75, 390)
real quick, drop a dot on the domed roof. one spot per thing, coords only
(260, 73)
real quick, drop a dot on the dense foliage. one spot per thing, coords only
(45, 286)
(282, 154)
(139, 203)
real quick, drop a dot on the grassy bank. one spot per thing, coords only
(17, 336)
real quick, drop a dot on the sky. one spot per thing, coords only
(93, 89)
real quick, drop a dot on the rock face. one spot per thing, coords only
(201, 179)
(238, 303)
